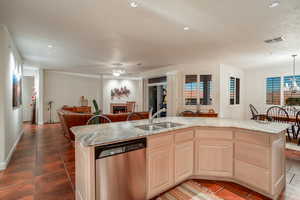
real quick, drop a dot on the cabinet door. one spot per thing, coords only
(214, 158)
(184, 160)
(160, 170)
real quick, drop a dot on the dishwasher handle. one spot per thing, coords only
(119, 148)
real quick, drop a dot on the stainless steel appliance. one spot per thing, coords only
(121, 171)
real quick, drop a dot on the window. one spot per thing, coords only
(234, 91)
(288, 94)
(205, 89)
(273, 90)
(190, 90)
(197, 89)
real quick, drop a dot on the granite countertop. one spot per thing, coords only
(101, 134)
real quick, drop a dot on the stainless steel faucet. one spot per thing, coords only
(151, 117)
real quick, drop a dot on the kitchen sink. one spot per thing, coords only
(158, 126)
(149, 127)
(168, 124)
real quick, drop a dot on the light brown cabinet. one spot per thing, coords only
(214, 158)
(160, 170)
(259, 160)
(253, 159)
(184, 160)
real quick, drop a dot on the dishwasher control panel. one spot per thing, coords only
(119, 148)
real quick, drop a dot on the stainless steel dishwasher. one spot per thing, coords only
(121, 171)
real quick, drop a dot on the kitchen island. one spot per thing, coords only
(246, 152)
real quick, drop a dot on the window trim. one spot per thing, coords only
(198, 88)
(236, 87)
(280, 92)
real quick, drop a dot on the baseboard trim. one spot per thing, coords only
(4, 164)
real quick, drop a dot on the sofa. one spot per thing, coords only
(69, 119)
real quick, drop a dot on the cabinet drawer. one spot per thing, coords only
(159, 141)
(253, 138)
(214, 134)
(184, 136)
(253, 154)
(252, 175)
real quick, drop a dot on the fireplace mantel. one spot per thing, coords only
(118, 108)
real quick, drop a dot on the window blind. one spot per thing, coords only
(231, 90)
(190, 90)
(273, 90)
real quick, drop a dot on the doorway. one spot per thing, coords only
(27, 95)
(157, 88)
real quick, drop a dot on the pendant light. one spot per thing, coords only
(293, 88)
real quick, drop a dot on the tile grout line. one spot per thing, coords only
(222, 187)
(292, 179)
(66, 170)
(34, 131)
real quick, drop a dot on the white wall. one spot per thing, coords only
(38, 75)
(135, 92)
(10, 118)
(177, 74)
(227, 110)
(220, 87)
(66, 89)
(256, 85)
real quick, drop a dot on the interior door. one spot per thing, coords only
(28, 88)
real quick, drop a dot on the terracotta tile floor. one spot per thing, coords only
(43, 167)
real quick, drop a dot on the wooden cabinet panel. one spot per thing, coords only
(249, 137)
(214, 158)
(252, 175)
(253, 154)
(160, 170)
(214, 134)
(184, 160)
(184, 136)
(160, 141)
(278, 165)
(85, 172)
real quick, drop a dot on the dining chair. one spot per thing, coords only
(291, 110)
(255, 114)
(279, 115)
(298, 126)
(134, 116)
(98, 119)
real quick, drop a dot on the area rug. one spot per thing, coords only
(189, 190)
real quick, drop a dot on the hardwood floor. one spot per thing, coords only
(43, 167)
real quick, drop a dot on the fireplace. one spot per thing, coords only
(118, 108)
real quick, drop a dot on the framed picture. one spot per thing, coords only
(17, 90)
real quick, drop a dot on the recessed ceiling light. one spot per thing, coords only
(274, 4)
(50, 46)
(133, 4)
(118, 72)
(186, 28)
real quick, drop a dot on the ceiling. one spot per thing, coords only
(89, 36)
